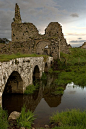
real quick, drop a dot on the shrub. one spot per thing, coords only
(26, 118)
(30, 89)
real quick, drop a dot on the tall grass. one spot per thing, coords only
(26, 118)
(70, 119)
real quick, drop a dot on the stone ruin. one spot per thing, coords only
(26, 38)
(83, 45)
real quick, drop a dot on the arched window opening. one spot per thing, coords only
(46, 50)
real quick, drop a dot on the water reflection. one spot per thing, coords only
(43, 103)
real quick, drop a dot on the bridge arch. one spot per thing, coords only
(36, 73)
(14, 84)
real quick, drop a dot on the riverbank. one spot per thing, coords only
(69, 119)
(71, 67)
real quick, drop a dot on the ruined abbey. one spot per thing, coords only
(26, 38)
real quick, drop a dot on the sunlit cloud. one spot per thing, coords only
(75, 27)
(76, 34)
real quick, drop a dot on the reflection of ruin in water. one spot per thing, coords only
(13, 102)
(43, 103)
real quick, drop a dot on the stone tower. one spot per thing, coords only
(17, 18)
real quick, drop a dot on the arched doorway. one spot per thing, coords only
(36, 73)
(43, 48)
(46, 68)
(14, 84)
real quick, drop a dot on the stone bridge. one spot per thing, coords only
(18, 73)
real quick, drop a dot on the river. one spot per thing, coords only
(43, 103)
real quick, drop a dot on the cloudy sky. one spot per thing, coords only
(71, 14)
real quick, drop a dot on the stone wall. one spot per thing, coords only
(23, 31)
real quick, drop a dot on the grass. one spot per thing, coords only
(77, 76)
(72, 67)
(3, 119)
(6, 58)
(70, 119)
(70, 127)
(26, 118)
(76, 56)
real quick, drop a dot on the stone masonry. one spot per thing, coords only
(83, 45)
(26, 38)
(17, 74)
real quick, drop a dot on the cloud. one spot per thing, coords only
(79, 38)
(75, 34)
(77, 41)
(74, 15)
(40, 13)
(75, 27)
(76, 45)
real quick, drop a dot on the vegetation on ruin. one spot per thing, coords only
(3, 119)
(70, 119)
(6, 58)
(72, 67)
(26, 118)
